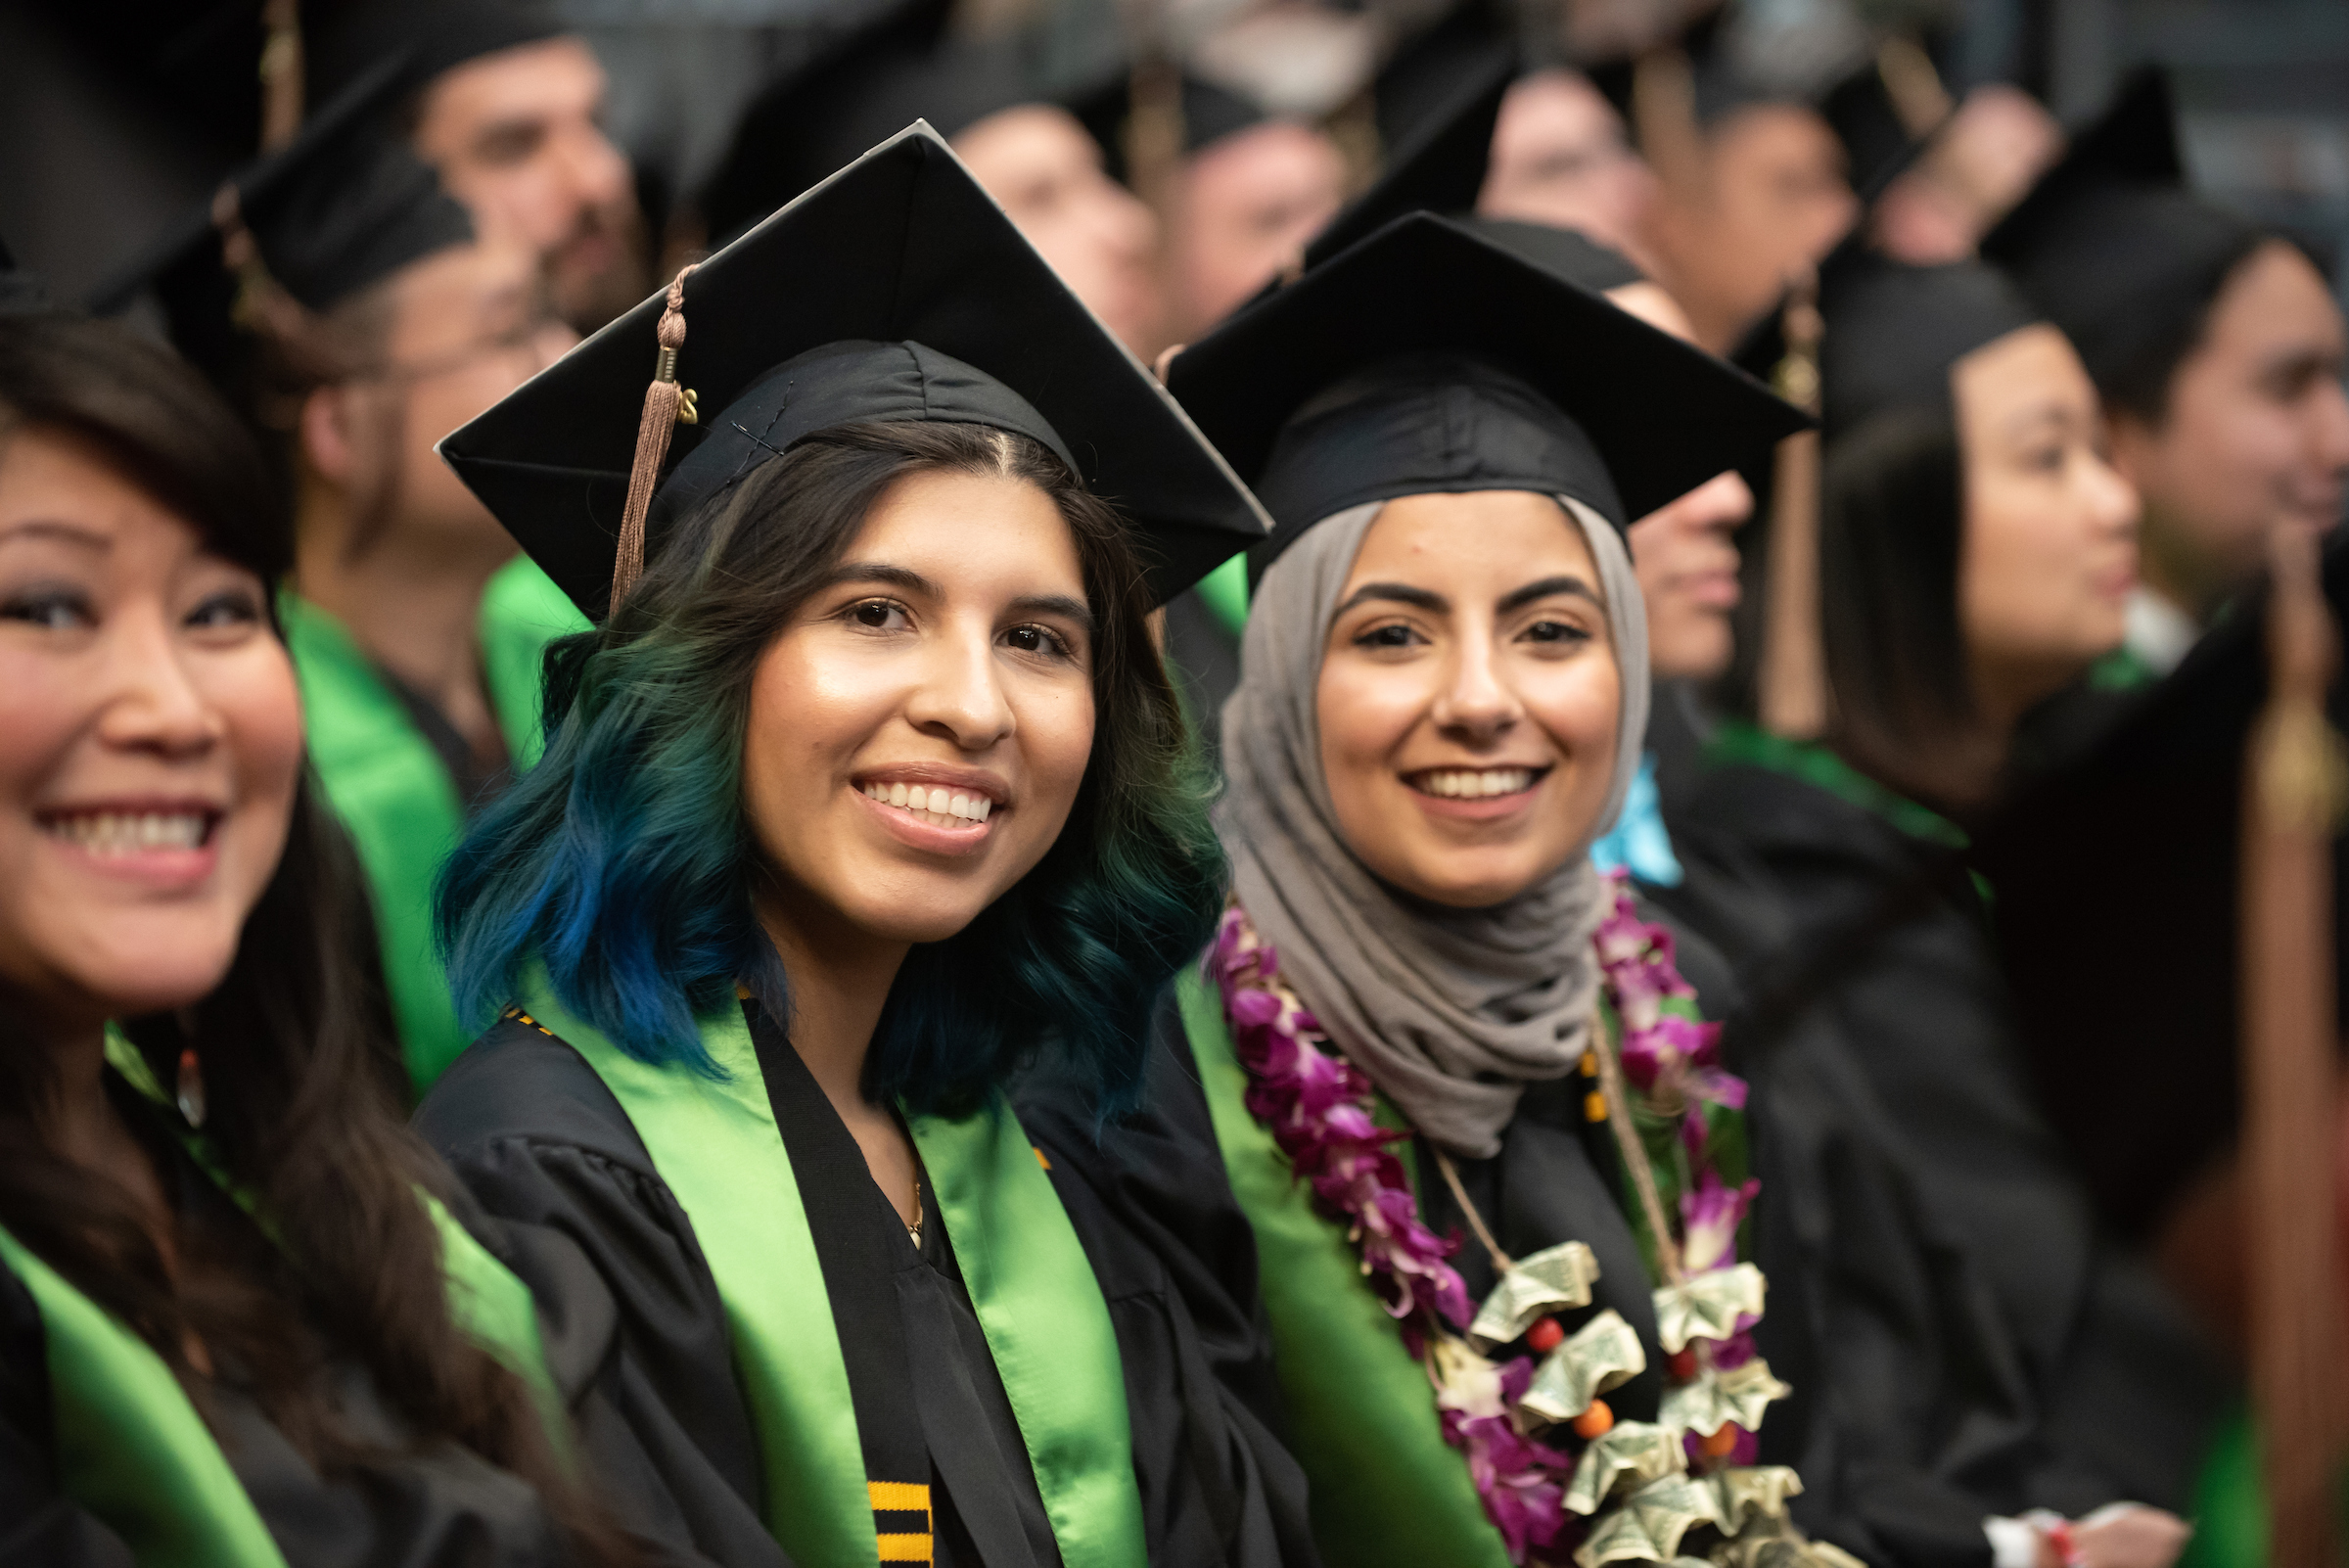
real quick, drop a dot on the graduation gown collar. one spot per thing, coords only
(716, 1144)
(1738, 742)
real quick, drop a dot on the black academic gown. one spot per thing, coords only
(542, 1143)
(437, 1506)
(1988, 1351)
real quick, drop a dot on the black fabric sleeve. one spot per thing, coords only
(636, 1333)
(1176, 1261)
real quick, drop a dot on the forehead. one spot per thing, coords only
(2274, 297)
(59, 486)
(1466, 545)
(555, 76)
(968, 530)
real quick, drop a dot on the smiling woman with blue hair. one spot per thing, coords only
(867, 798)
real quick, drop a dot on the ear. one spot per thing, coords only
(326, 441)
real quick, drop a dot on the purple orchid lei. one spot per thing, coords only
(1319, 1108)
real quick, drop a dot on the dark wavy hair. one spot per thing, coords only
(293, 1044)
(624, 863)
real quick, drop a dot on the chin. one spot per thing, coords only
(1464, 888)
(130, 978)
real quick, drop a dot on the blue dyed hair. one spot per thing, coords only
(625, 863)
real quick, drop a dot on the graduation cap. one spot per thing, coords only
(1429, 359)
(897, 289)
(2111, 246)
(341, 207)
(295, 233)
(2118, 884)
(344, 42)
(1893, 331)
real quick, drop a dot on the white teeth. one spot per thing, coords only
(936, 806)
(124, 831)
(1470, 784)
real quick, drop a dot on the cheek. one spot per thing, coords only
(1056, 735)
(1578, 703)
(256, 693)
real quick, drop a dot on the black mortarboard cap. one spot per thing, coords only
(1893, 331)
(344, 40)
(895, 289)
(1430, 359)
(2111, 246)
(339, 209)
(2118, 884)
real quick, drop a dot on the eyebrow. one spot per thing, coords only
(912, 581)
(1055, 604)
(1534, 592)
(1396, 593)
(64, 532)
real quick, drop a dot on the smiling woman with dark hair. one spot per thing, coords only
(867, 798)
(230, 1332)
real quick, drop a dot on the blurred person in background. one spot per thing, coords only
(2218, 348)
(362, 319)
(1246, 200)
(508, 108)
(236, 1324)
(1768, 198)
(1561, 157)
(1976, 553)
(1032, 154)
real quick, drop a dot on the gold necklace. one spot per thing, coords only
(914, 1227)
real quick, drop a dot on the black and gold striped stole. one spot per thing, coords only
(901, 1519)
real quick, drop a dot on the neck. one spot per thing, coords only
(411, 603)
(840, 980)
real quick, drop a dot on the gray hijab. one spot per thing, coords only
(1451, 1013)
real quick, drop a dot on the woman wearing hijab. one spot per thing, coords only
(865, 794)
(231, 1332)
(1425, 1012)
(1976, 557)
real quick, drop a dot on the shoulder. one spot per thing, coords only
(518, 1083)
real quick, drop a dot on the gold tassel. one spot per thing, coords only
(2292, 808)
(1793, 696)
(666, 405)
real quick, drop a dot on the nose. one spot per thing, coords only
(598, 176)
(1476, 705)
(2114, 502)
(1126, 225)
(959, 696)
(2331, 429)
(1725, 501)
(151, 705)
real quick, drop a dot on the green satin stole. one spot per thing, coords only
(388, 788)
(715, 1145)
(1386, 1488)
(131, 1449)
